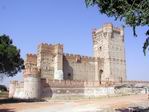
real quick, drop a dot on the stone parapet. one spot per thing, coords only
(105, 28)
(48, 47)
(79, 58)
(136, 81)
(74, 83)
(83, 84)
(31, 58)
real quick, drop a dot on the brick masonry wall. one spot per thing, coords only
(68, 89)
(79, 71)
(75, 88)
(74, 83)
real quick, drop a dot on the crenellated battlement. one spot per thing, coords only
(31, 55)
(75, 57)
(49, 46)
(107, 27)
(31, 58)
(58, 45)
(94, 31)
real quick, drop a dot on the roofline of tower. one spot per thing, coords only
(109, 26)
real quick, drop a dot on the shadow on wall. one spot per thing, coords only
(68, 70)
(46, 89)
(47, 92)
(6, 110)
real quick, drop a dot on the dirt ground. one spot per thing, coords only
(84, 105)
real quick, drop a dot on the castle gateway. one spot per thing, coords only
(50, 63)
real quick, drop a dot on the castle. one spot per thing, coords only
(51, 70)
(108, 61)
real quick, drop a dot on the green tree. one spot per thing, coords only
(134, 13)
(10, 61)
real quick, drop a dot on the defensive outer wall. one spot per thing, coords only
(51, 73)
(42, 88)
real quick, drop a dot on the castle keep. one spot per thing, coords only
(108, 62)
(51, 70)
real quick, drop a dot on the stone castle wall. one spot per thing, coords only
(33, 87)
(50, 60)
(74, 83)
(79, 71)
(74, 67)
(70, 88)
(78, 58)
(16, 89)
(107, 65)
(75, 88)
(108, 62)
(78, 67)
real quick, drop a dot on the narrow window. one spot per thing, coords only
(69, 76)
(100, 48)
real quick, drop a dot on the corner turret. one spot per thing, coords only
(32, 80)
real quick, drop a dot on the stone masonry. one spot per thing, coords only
(108, 44)
(51, 63)
(108, 62)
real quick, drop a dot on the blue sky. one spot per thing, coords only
(30, 22)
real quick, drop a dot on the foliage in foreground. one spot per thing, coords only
(10, 61)
(3, 88)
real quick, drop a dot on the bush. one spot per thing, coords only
(3, 88)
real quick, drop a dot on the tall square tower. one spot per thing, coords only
(108, 43)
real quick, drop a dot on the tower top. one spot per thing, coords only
(108, 28)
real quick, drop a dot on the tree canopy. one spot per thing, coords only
(134, 13)
(10, 61)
